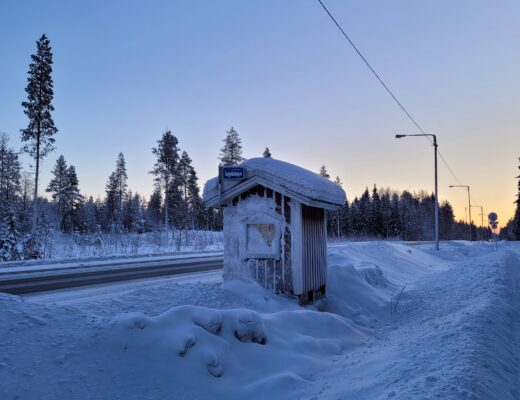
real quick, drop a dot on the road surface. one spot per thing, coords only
(21, 282)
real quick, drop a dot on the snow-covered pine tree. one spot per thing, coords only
(10, 246)
(116, 193)
(323, 172)
(395, 218)
(88, 216)
(9, 175)
(410, 220)
(364, 213)
(165, 171)
(183, 175)
(154, 208)
(73, 198)
(516, 219)
(376, 216)
(121, 179)
(231, 153)
(192, 202)
(355, 217)
(386, 214)
(111, 201)
(38, 107)
(266, 153)
(57, 187)
(129, 212)
(196, 207)
(25, 210)
(446, 220)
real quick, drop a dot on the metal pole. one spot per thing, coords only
(469, 211)
(482, 223)
(436, 196)
(436, 185)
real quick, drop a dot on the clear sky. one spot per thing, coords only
(281, 74)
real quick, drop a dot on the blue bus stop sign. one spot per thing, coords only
(233, 173)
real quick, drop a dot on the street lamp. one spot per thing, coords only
(469, 205)
(436, 185)
(481, 221)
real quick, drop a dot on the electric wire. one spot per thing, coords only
(385, 86)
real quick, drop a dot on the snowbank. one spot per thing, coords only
(245, 350)
(364, 277)
(454, 335)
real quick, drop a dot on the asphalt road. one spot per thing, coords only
(40, 281)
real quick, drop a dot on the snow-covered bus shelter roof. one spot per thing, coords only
(299, 183)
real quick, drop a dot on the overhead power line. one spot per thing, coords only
(385, 86)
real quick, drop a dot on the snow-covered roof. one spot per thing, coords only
(300, 183)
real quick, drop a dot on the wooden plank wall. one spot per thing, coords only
(314, 248)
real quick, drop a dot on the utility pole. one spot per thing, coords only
(469, 205)
(481, 222)
(436, 214)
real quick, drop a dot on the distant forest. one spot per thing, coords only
(385, 214)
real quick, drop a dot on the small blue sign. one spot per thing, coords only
(233, 172)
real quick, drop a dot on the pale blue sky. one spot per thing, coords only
(281, 74)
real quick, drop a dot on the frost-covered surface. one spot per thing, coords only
(60, 246)
(288, 176)
(455, 333)
(236, 236)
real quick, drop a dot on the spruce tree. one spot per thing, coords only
(111, 199)
(386, 214)
(190, 191)
(165, 171)
(183, 175)
(121, 179)
(38, 107)
(446, 220)
(155, 206)
(267, 153)
(516, 219)
(395, 217)
(376, 216)
(58, 186)
(231, 153)
(364, 213)
(73, 198)
(116, 193)
(27, 189)
(195, 202)
(9, 238)
(10, 175)
(323, 172)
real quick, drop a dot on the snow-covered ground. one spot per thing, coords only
(61, 246)
(454, 332)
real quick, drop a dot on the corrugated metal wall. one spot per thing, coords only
(314, 248)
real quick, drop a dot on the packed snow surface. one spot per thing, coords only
(398, 322)
(289, 176)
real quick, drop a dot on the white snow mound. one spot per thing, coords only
(188, 344)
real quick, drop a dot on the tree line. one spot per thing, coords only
(387, 214)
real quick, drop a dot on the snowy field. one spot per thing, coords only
(59, 246)
(399, 322)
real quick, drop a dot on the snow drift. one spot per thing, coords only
(455, 334)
